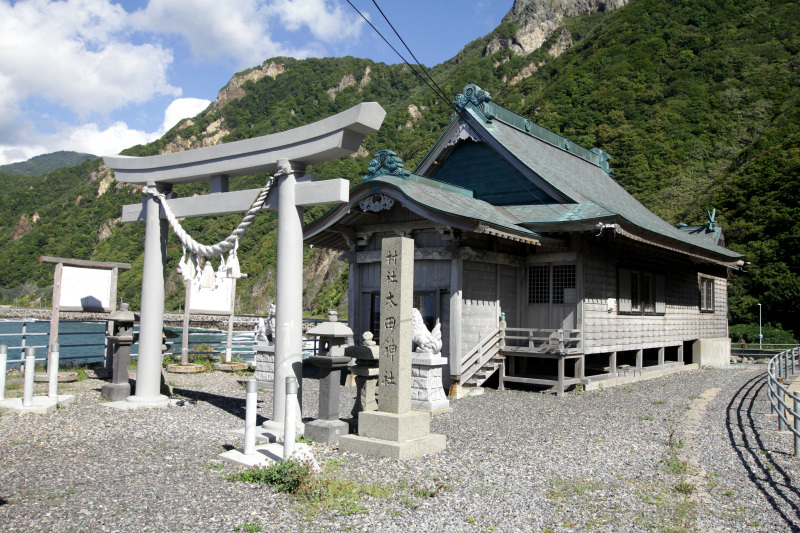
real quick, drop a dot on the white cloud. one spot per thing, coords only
(180, 109)
(328, 21)
(234, 30)
(73, 54)
(91, 138)
(240, 30)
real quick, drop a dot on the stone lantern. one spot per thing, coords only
(333, 337)
(121, 339)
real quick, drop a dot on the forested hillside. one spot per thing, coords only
(45, 163)
(696, 101)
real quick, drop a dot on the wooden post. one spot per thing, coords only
(680, 353)
(561, 375)
(54, 312)
(612, 363)
(661, 356)
(639, 358)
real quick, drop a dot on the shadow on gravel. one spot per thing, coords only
(234, 406)
(3, 501)
(767, 475)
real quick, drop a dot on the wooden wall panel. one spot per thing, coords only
(606, 331)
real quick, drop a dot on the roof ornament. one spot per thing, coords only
(471, 94)
(711, 216)
(386, 163)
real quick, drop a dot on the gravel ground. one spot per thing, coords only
(516, 460)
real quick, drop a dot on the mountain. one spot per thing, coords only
(697, 103)
(45, 163)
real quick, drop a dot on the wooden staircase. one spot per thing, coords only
(478, 365)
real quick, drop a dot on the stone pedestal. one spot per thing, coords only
(365, 373)
(265, 365)
(119, 389)
(427, 392)
(327, 427)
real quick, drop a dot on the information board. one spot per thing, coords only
(213, 301)
(86, 289)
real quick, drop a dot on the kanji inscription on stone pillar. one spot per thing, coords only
(397, 290)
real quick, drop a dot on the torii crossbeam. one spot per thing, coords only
(327, 139)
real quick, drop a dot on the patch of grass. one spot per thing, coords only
(13, 386)
(659, 402)
(729, 493)
(285, 476)
(645, 418)
(675, 465)
(570, 489)
(327, 488)
(684, 487)
(209, 466)
(249, 527)
(471, 520)
(754, 523)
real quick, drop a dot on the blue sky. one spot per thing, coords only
(99, 76)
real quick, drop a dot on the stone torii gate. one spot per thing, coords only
(292, 150)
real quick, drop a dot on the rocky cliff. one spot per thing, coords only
(532, 22)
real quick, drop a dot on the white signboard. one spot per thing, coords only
(216, 301)
(86, 289)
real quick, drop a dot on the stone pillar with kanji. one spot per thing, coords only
(395, 431)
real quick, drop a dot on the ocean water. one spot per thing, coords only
(84, 342)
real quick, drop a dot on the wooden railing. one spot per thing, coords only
(487, 347)
(536, 340)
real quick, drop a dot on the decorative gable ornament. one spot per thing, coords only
(386, 163)
(376, 202)
(472, 94)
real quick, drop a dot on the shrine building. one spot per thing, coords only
(540, 267)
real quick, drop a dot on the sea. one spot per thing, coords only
(84, 342)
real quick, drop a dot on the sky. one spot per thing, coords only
(99, 76)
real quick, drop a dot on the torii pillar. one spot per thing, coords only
(327, 139)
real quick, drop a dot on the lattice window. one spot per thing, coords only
(707, 295)
(564, 288)
(539, 284)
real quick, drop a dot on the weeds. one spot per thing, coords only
(684, 487)
(329, 489)
(676, 466)
(250, 527)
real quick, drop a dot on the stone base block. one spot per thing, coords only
(712, 353)
(115, 391)
(188, 368)
(41, 404)
(394, 427)
(458, 392)
(261, 435)
(427, 405)
(267, 455)
(230, 367)
(63, 377)
(134, 402)
(275, 429)
(326, 430)
(393, 450)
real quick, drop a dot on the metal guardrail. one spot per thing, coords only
(25, 336)
(779, 369)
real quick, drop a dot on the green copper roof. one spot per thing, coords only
(429, 194)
